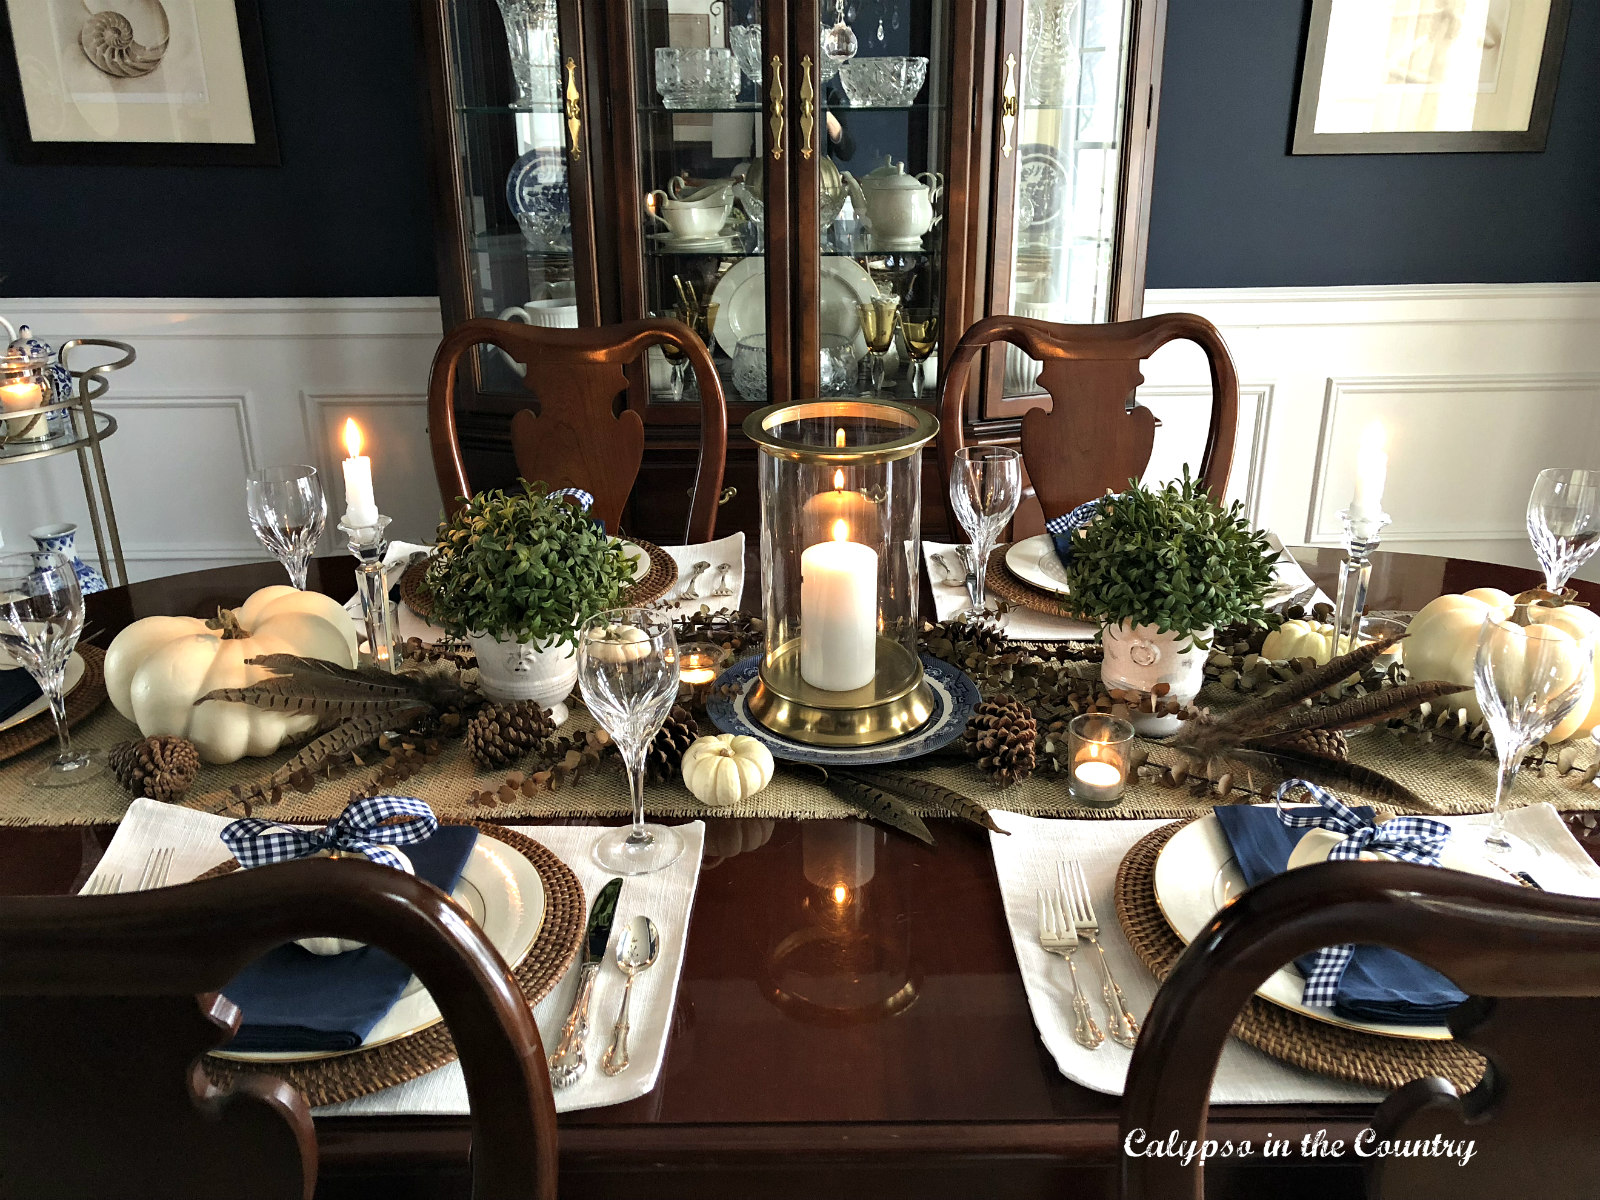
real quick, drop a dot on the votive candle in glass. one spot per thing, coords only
(699, 664)
(1097, 748)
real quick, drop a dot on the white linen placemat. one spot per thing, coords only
(1026, 861)
(667, 897)
(729, 551)
(1020, 624)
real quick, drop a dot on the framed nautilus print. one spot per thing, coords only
(136, 82)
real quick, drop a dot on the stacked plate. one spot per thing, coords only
(74, 676)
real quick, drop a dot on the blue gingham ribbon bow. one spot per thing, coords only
(1063, 528)
(359, 829)
(584, 499)
(1411, 839)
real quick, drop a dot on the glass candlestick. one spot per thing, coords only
(1361, 536)
(369, 546)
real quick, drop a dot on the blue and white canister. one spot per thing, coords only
(61, 539)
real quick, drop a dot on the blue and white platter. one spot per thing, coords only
(955, 696)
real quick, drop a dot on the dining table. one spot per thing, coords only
(922, 1076)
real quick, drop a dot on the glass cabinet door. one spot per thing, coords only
(520, 192)
(693, 194)
(1062, 170)
(870, 259)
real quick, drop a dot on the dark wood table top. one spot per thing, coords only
(949, 1093)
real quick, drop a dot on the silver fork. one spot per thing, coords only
(1119, 1019)
(156, 867)
(723, 585)
(1058, 936)
(105, 885)
(686, 592)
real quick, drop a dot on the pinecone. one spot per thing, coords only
(1001, 736)
(162, 768)
(1329, 743)
(664, 759)
(499, 734)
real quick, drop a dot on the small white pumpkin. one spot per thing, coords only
(724, 769)
(1299, 639)
(156, 669)
(1443, 643)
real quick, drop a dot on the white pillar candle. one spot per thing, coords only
(360, 507)
(838, 613)
(16, 397)
(1372, 469)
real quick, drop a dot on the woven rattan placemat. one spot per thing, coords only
(361, 1072)
(1299, 1040)
(657, 582)
(1012, 590)
(82, 701)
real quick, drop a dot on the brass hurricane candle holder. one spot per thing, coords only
(841, 506)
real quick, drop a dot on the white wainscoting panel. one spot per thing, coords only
(221, 387)
(1478, 387)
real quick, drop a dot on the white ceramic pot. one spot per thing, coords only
(542, 671)
(1140, 657)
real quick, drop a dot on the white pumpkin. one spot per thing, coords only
(724, 769)
(1443, 643)
(156, 669)
(1299, 639)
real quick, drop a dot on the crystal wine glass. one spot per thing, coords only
(628, 675)
(985, 486)
(1528, 679)
(919, 328)
(41, 616)
(877, 327)
(1564, 522)
(287, 512)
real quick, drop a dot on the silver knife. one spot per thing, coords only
(568, 1062)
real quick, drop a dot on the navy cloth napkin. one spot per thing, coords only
(1379, 984)
(17, 691)
(291, 999)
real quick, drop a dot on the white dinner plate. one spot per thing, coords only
(74, 676)
(742, 294)
(1034, 560)
(503, 893)
(1196, 875)
(640, 557)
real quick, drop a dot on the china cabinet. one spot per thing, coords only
(829, 191)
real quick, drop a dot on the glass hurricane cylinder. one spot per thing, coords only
(841, 510)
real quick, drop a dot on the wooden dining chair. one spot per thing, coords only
(579, 437)
(108, 1002)
(1529, 960)
(1093, 436)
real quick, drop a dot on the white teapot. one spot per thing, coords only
(898, 207)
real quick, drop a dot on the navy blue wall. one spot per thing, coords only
(1232, 208)
(346, 214)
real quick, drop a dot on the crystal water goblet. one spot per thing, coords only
(287, 511)
(877, 327)
(1564, 522)
(985, 487)
(628, 677)
(1528, 679)
(919, 329)
(41, 616)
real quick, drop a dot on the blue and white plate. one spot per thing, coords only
(954, 698)
(539, 198)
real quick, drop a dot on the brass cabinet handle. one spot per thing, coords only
(1008, 105)
(808, 106)
(574, 110)
(727, 493)
(777, 108)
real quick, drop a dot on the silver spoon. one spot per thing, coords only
(636, 951)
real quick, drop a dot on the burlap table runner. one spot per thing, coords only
(1453, 780)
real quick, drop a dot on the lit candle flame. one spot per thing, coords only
(1094, 749)
(838, 438)
(352, 438)
(841, 531)
(1373, 440)
(841, 894)
(838, 480)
